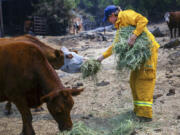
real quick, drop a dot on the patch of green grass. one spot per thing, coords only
(124, 123)
(124, 128)
(80, 128)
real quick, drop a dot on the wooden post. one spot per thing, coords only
(1, 21)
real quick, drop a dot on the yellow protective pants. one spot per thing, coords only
(142, 83)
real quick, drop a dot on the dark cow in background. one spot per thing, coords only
(173, 22)
(28, 80)
(54, 56)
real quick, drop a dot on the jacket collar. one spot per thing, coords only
(117, 23)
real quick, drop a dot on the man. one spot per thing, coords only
(142, 81)
(28, 26)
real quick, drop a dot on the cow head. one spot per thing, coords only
(166, 17)
(56, 59)
(60, 104)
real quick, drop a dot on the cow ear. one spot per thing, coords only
(49, 96)
(64, 93)
(69, 56)
(59, 53)
(75, 92)
(45, 99)
(73, 50)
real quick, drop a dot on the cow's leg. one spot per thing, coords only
(178, 30)
(171, 32)
(39, 109)
(175, 32)
(26, 118)
(8, 110)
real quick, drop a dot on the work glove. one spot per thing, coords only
(132, 40)
(100, 58)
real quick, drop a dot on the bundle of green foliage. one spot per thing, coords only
(131, 57)
(80, 129)
(90, 68)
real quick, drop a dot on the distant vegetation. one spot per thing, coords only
(59, 12)
(152, 9)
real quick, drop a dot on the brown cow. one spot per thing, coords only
(54, 56)
(28, 80)
(173, 22)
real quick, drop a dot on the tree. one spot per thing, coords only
(153, 9)
(57, 13)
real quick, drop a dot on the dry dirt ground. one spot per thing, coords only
(111, 99)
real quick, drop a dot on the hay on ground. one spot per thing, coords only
(80, 128)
